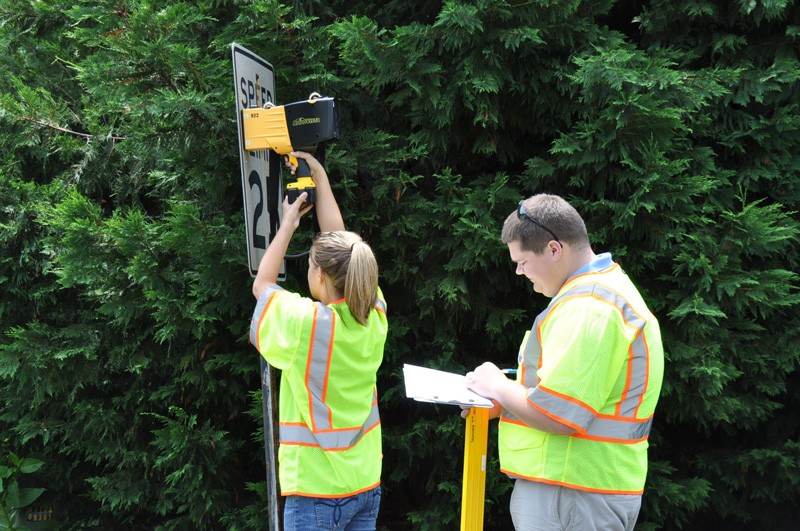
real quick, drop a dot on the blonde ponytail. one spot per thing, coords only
(361, 283)
(351, 266)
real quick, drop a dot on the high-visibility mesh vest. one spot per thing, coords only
(330, 433)
(593, 361)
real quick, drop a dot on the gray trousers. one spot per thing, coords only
(543, 507)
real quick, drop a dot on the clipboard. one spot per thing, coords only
(440, 387)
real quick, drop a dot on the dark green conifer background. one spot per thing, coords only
(673, 126)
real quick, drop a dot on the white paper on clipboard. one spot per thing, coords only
(440, 387)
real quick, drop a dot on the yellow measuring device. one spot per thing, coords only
(473, 488)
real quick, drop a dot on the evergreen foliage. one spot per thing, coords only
(673, 126)
(14, 499)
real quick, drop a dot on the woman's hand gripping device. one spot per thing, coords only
(299, 126)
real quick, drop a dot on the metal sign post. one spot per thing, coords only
(473, 488)
(269, 404)
(261, 187)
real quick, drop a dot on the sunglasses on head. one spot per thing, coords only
(523, 214)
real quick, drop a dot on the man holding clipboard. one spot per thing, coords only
(574, 424)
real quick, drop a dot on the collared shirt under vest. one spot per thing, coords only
(330, 433)
(593, 361)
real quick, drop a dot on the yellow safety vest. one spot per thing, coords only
(593, 361)
(330, 434)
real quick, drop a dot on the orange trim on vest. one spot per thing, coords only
(298, 493)
(628, 378)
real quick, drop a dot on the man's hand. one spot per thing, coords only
(486, 380)
(494, 412)
(489, 381)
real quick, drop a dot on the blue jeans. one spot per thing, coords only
(353, 513)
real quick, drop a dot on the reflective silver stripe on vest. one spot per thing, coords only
(625, 426)
(532, 353)
(321, 432)
(380, 305)
(261, 306)
(318, 358)
(340, 439)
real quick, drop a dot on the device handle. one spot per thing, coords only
(302, 169)
(302, 166)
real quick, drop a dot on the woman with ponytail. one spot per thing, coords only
(329, 348)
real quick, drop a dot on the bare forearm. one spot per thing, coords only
(328, 213)
(270, 266)
(489, 381)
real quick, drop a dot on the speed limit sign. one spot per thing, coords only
(261, 187)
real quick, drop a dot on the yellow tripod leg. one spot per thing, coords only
(473, 489)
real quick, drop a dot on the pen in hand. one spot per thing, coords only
(508, 371)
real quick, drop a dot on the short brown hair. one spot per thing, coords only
(552, 212)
